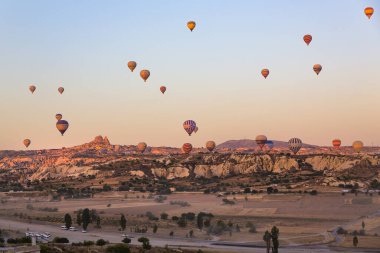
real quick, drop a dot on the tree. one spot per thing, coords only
(355, 241)
(86, 218)
(275, 232)
(79, 217)
(118, 248)
(164, 216)
(363, 225)
(123, 222)
(267, 237)
(68, 221)
(191, 233)
(145, 243)
(155, 228)
(98, 222)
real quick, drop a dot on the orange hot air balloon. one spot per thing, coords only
(163, 89)
(58, 116)
(61, 90)
(317, 68)
(336, 143)
(32, 88)
(369, 12)
(265, 73)
(357, 146)
(186, 148)
(62, 126)
(144, 74)
(132, 65)
(141, 147)
(26, 142)
(191, 25)
(210, 145)
(307, 38)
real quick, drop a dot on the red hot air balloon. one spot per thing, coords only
(336, 143)
(186, 148)
(58, 116)
(265, 73)
(61, 90)
(145, 74)
(26, 142)
(32, 88)
(163, 89)
(307, 38)
(317, 68)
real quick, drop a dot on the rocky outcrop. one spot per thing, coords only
(171, 173)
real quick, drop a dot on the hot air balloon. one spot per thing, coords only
(189, 126)
(26, 142)
(261, 140)
(58, 116)
(196, 129)
(295, 145)
(191, 25)
(32, 88)
(336, 143)
(307, 38)
(368, 12)
(265, 73)
(317, 68)
(357, 146)
(186, 148)
(61, 90)
(163, 89)
(132, 65)
(269, 144)
(210, 145)
(62, 126)
(144, 74)
(141, 147)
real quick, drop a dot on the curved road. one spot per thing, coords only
(176, 242)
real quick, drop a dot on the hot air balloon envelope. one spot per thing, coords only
(191, 25)
(62, 126)
(189, 126)
(132, 65)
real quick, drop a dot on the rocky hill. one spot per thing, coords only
(251, 144)
(100, 159)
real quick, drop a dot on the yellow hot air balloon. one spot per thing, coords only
(32, 88)
(144, 74)
(210, 145)
(369, 12)
(191, 25)
(132, 65)
(357, 146)
(26, 142)
(141, 147)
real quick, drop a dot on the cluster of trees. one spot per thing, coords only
(84, 218)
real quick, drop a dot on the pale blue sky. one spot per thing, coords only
(212, 74)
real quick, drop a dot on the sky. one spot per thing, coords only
(212, 74)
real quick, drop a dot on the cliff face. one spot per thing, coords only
(88, 159)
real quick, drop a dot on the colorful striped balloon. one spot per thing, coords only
(189, 126)
(295, 144)
(186, 148)
(307, 38)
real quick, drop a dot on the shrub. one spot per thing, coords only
(313, 192)
(118, 248)
(164, 216)
(228, 202)
(101, 242)
(60, 240)
(126, 240)
(88, 243)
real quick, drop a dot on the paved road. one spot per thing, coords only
(115, 237)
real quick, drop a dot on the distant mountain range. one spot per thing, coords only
(247, 143)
